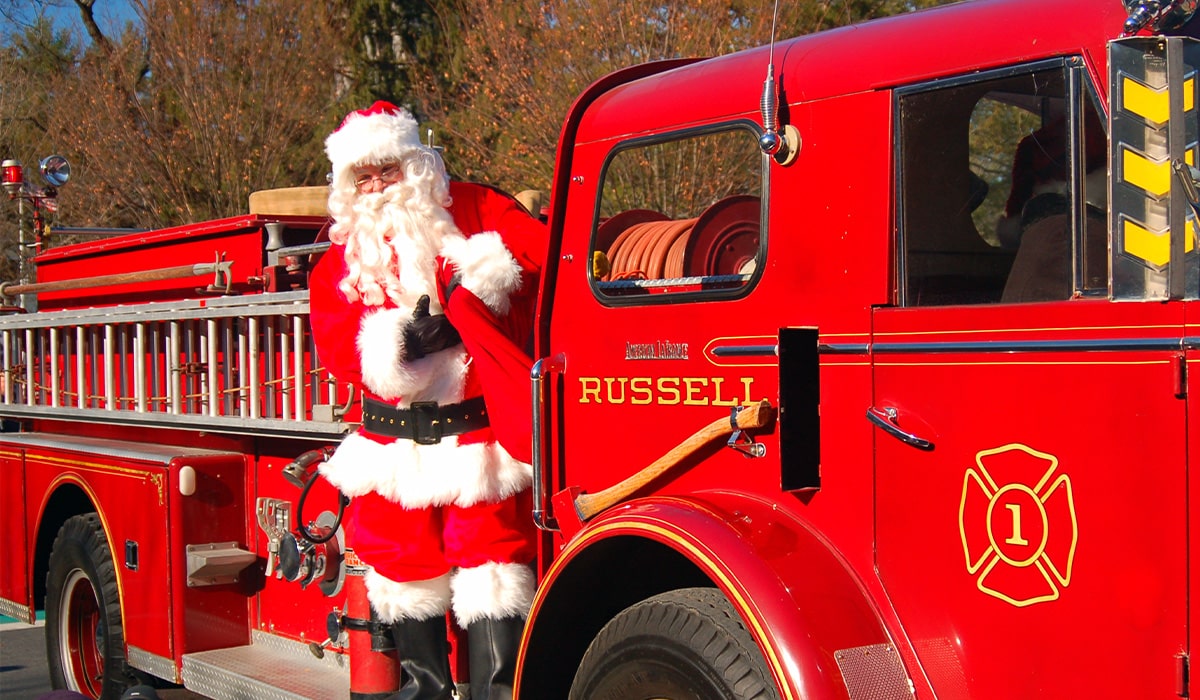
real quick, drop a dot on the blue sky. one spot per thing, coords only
(111, 15)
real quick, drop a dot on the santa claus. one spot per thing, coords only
(424, 301)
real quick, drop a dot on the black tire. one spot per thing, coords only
(85, 645)
(687, 644)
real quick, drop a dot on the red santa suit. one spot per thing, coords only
(443, 519)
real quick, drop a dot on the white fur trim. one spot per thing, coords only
(492, 590)
(439, 376)
(379, 345)
(372, 139)
(410, 600)
(417, 476)
(487, 267)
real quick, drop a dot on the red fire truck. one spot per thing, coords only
(871, 379)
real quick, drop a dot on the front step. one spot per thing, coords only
(270, 668)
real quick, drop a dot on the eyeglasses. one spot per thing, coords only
(389, 175)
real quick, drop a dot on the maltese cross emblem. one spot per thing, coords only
(1018, 527)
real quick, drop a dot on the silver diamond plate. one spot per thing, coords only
(15, 610)
(271, 668)
(155, 665)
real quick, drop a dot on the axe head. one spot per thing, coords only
(569, 520)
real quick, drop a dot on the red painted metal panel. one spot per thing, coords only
(1191, 375)
(282, 607)
(15, 580)
(648, 406)
(799, 599)
(217, 616)
(130, 496)
(239, 240)
(135, 490)
(1040, 548)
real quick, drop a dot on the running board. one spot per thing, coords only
(270, 668)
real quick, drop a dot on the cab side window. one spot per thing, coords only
(991, 173)
(680, 217)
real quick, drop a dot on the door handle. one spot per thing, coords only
(886, 418)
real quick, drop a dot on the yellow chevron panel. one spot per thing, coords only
(1151, 175)
(1152, 246)
(1154, 105)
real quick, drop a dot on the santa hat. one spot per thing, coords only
(382, 133)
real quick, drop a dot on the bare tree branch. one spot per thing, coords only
(88, 17)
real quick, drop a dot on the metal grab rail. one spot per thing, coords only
(541, 507)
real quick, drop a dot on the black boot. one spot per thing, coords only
(493, 655)
(425, 658)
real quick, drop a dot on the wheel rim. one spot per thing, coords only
(81, 635)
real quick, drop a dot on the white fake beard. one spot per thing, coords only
(396, 236)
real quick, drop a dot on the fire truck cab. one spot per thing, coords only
(966, 282)
(862, 370)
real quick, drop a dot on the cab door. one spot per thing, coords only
(1192, 373)
(651, 244)
(1031, 451)
(1036, 547)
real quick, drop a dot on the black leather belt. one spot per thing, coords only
(425, 422)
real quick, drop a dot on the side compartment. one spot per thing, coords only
(135, 548)
(16, 591)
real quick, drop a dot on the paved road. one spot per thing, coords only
(23, 673)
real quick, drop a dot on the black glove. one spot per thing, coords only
(424, 333)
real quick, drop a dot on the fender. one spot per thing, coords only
(797, 597)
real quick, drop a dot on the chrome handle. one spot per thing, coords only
(1189, 179)
(541, 368)
(886, 418)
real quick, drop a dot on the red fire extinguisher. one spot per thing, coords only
(374, 668)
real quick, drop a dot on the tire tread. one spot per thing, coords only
(81, 543)
(699, 619)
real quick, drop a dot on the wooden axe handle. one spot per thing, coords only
(750, 417)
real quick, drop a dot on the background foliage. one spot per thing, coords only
(182, 110)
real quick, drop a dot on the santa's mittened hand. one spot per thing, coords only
(421, 310)
(425, 333)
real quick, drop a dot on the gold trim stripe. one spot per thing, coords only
(151, 476)
(1100, 363)
(1031, 329)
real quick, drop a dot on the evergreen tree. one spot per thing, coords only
(31, 59)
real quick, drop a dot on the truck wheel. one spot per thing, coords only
(687, 644)
(84, 642)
